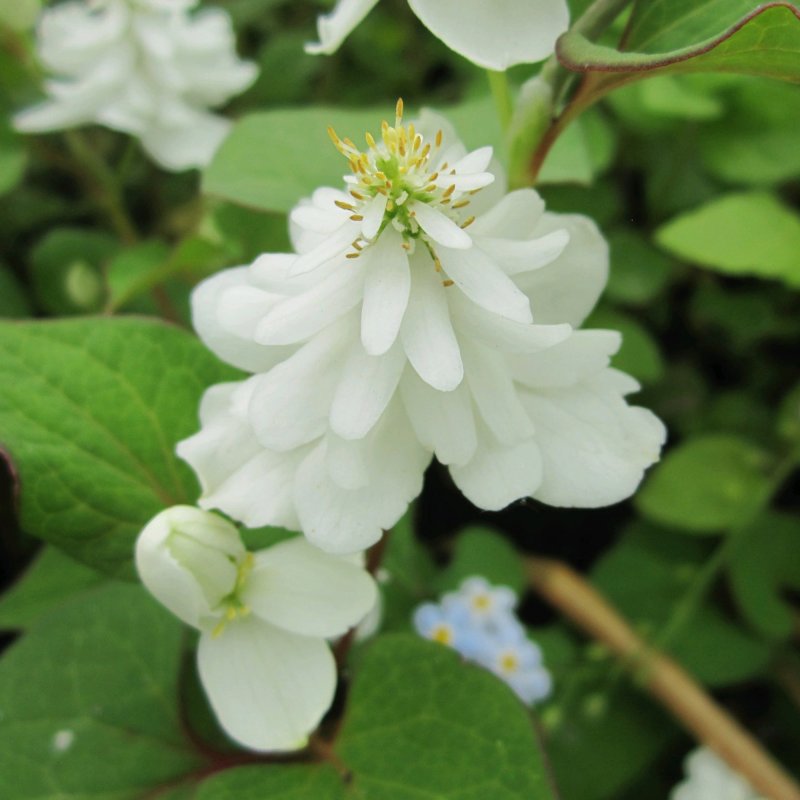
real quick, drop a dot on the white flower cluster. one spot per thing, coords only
(479, 622)
(708, 777)
(425, 312)
(495, 35)
(144, 67)
(263, 618)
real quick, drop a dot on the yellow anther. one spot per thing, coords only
(334, 137)
(437, 265)
(370, 140)
(442, 634)
(345, 206)
(398, 111)
(350, 143)
(459, 204)
(425, 152)
(352, 255)
(390, 205)
(433, 177)
(467, 222)
(358, 196)
(439, 136)
(356, 246)
(449, 190)
(356, 217)
(448, 283)
(509, 662)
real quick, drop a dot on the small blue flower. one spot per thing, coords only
(451, 626)
(490, 607)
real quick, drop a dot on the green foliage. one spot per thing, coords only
(66, 269)
(706, 485)
(639, 272)
(676, 36)
(13, 301)
(89, 702)
(90, 411)
(454, 732)
(763, 569)
(276, 782)
(749, 233)
(482, 551)
(49, 581)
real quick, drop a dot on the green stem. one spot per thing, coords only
(501, 92)
(104, 186)
(707, 576)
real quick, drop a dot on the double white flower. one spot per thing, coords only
(426, 312)
(263, 618)
(708, 777)
(495, 34)
(143, 67)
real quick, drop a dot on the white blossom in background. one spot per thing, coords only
(479, 622)
(708, 777)
(495, 35)
(263, 618)
(148, 68)
(425, 312)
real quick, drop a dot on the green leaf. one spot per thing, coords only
(275, 782)
(13, 302)
(706, 485)
(581, 153)
(90, 412)
(49, 581)
(273, 159)
(755, 142)
(647, 576)
(639, 272)
(639, 354)
(606, 742)
(21, 14)
(748, 233)
(13, 158)
(89, 701)
(762, 569)
(421, 723)
(485, 553)
(67, 270)
(132, 271)
(677, 36)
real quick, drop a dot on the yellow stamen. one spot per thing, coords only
(343, 205)
(448, 283)
(467, 222)
(398, 112)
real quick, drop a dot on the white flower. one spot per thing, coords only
(143, 67)
(426, 312)
(495, 35)
(263, 617)
(708, 777)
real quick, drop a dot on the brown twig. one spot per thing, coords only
(662, 677)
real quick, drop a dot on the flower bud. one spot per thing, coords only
(189, 560)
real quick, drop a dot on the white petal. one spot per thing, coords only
(485, 283)
(335, 27)
(443, 421)
(225, 311)
(513, 217)
(427, 332)
(344, 521)
(269, 689)
(347, 461)
(498, 34)
(332, 246)
(237, 474)
(495, 394)
(499, 474)
(582, 355)
(297, 587)
(189, 146)
(514, 256)
(301, 316)
(366, 386)
(567, 288)
(373, 215)
(290, 404)
(440, 227)
(594, 446)
(386, 290)
(190, 594)
(476, 161)
(501, 334)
